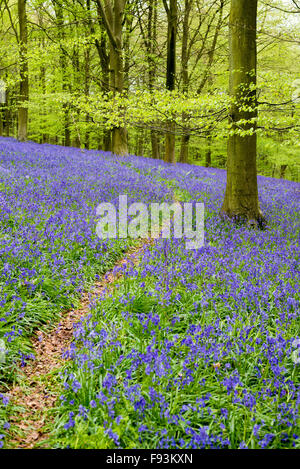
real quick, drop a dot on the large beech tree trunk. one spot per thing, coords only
(24, 84)
(119, 134)
(113, 16)
(241, 197)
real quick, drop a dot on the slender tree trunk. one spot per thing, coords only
(43, 136)
(141, 143)
(241, 197)
(87, 92)
(184, 148)
(155, 150)
(282, 170)
(63, 64)
(3, 104)
(151, 45)
(208, 154)
(170, 155)
(76, 88)
(7, 114)
(127, 48)
(24, 81)
(170, 144)
(185, 139)
(1, 120)
(87, 57)
(42, 77)
(102, 48)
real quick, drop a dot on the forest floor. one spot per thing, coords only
(37, 391)
(173, 348)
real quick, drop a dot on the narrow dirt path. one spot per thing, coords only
(36, 393)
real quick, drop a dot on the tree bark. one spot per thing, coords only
(150, 46)
(102, 49)
(170, 144)
(24, 81)
(1, 120)
(7, 114)
(171, 11)
(87, 92)
(184, 148)
(155, 151)
(208, 154)
(185, 139)
(241, 197)
(119, 134)
(76, 86)
(3, 104)
(63, 64)
(113, 16)
(282, 170)
(43, 137)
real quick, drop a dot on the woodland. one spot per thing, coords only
(138, 343)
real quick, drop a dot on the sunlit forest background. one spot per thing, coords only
(65, 58)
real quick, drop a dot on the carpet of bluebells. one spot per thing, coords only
(190, 349)
(49, 250)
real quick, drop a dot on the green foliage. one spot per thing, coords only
(73, 99)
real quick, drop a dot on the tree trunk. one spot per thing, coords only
(127, 50)
(43, 136)
(119, 141)
(3, 104)
(155, 153)
(282, 170)
(150, 46)
(170, 155)
(1, 120)
(141, 143)
(106, 142)
(208, 154)
(241, 197)
(42, 77)
(63, 64)
(24, 83)
(76, 86)
(87, 93)
(184, 149)
(102, 48)
(170, 144)
(185, 139)
(118, 134)
(7, 114)
(113, 16)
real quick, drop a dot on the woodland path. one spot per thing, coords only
(36, 392)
